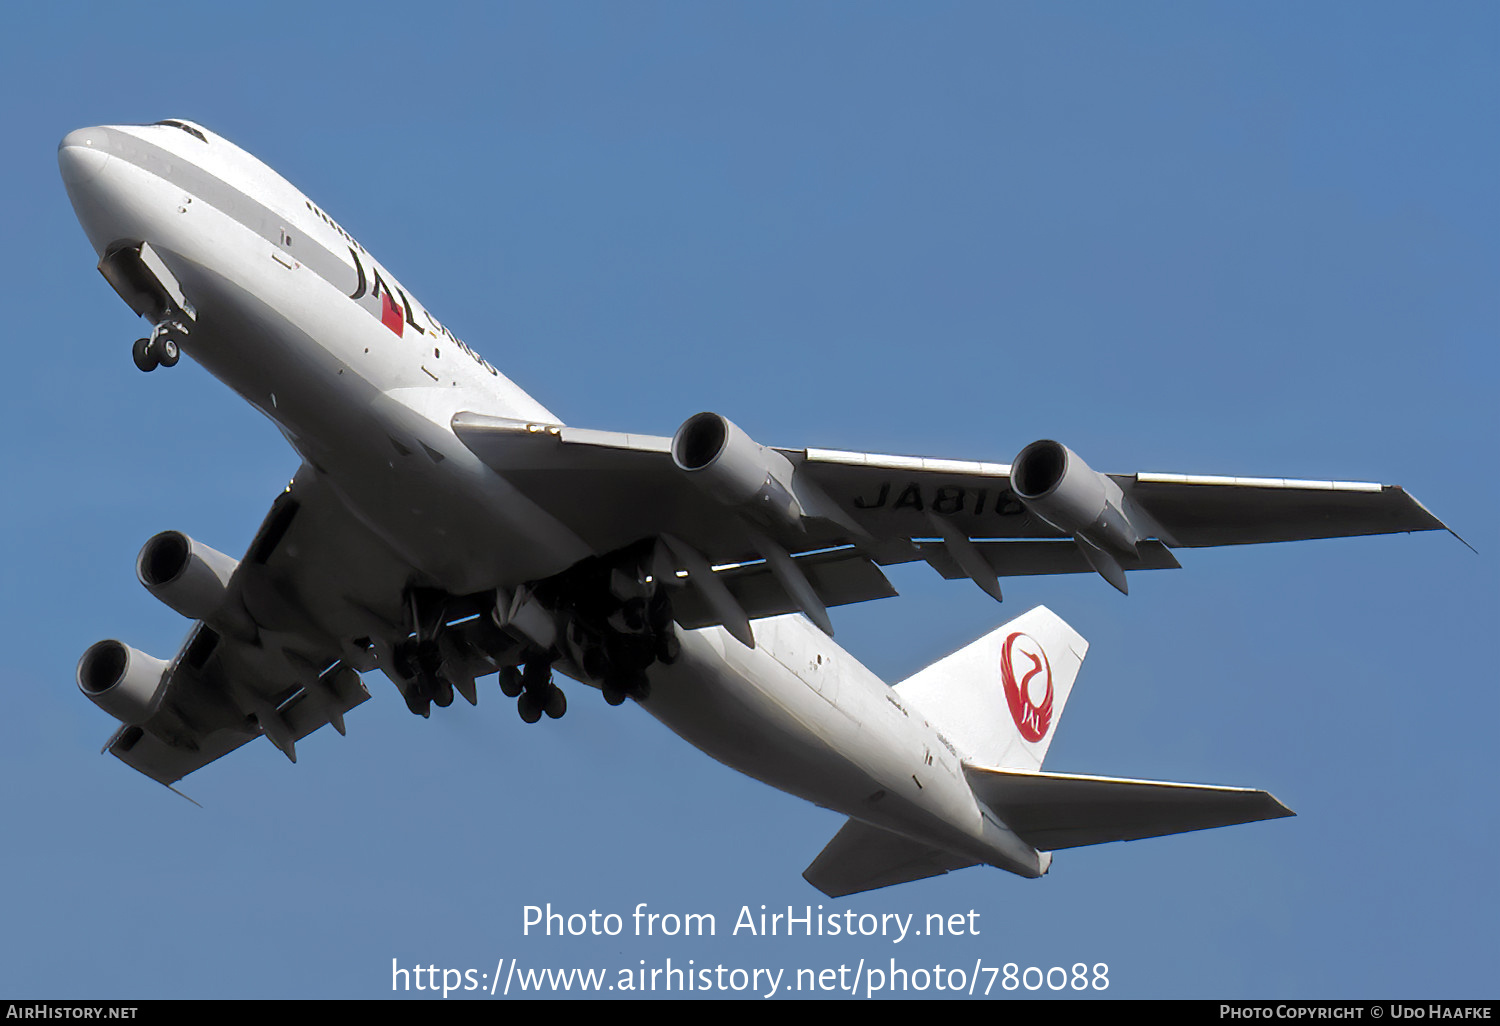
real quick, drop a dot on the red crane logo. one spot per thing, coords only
(1022, 661)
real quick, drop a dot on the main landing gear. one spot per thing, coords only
(607, 618)
(606, 621)
(162, 349)
(420, 663)
(533, 690)
(448, 650)
(439, 659)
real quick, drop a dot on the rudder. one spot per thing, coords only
(998, 700)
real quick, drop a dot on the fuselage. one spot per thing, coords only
(295, 316)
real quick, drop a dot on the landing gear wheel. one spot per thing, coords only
(633, 614)
(594, 662)
(668, 648)
(418, 704)
(557, 703)
(429, 656)
(167, 351)
(634, 686)
(144, 355)
(530, 707)
(442, 691)
(510, 682)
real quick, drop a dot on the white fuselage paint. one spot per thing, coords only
(274, 282)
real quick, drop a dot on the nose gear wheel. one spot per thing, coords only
(163, 348)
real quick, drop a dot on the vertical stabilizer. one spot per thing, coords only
(999, 699)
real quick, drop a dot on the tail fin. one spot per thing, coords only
(998, 699)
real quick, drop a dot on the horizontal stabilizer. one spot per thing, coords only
(1057, 810)
(862, 857)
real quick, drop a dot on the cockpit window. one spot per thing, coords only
(189, 129)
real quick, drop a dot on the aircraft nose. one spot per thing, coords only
(81, 156)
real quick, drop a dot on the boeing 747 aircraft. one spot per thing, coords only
(444, 526)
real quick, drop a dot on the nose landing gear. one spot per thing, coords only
(140, 276)
(162, 349)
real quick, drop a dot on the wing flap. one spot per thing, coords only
(1056, 810)
(1030, 558)
(213, 707)
(840, 577)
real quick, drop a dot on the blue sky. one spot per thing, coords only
(1213, 238)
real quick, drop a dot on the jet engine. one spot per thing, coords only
(122, 681)
(1067, 493)
(187, 575)
(735, 469)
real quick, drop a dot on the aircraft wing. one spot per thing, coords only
(966, 519)
(273, 653)
(891, 494)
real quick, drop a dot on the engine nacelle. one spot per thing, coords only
(1067, 493)
(122, 681)
(186, 575)
(735, 469)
